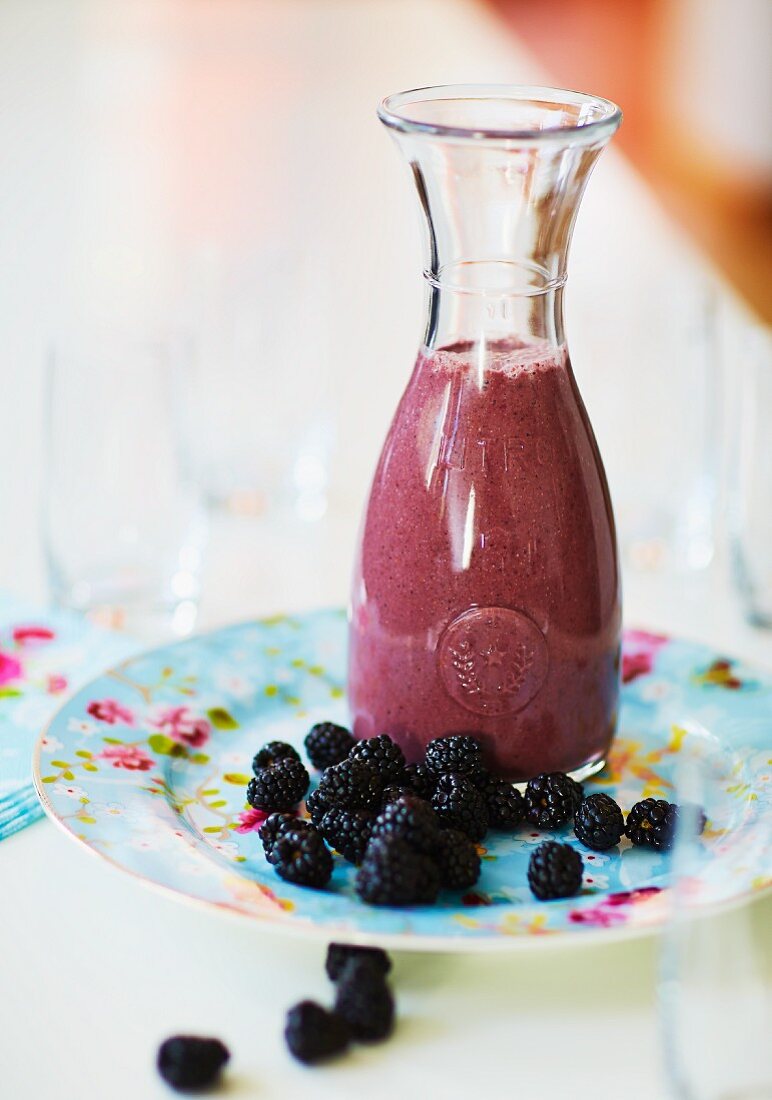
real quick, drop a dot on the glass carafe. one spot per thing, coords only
(486, 594)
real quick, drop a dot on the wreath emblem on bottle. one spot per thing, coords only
(492, 660)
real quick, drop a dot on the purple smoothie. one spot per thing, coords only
(486, 593)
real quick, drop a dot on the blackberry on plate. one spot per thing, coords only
(382, 754)
(457, 859)
(364, 1000)
(273, 826)
(313, 1034)
(555, 871)
(410, 819)
(328, 744)
(651, 823)
(338, 954)
(353, 785)
(599, 823)
(301, 856)
(459, 805)
(460, 754)
(278, 788)
(317, 806)
(504, 803)
(393, 874)
(347, 831)
(420, 780)
(577, 792)
(270, 753)
(549, 800)
(189, 1062)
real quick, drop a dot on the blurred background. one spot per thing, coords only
(210, 175)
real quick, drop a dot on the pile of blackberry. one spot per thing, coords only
(413, 829)
(363, 1010)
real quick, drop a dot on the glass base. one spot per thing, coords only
(579, 774)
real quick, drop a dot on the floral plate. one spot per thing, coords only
(147, 767)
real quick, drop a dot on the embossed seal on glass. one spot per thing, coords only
(492, 660)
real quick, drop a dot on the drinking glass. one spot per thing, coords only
(716, 965)
(750, 492)
(123, 525)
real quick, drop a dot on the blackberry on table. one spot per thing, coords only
(651, 823)
(364, 1000)
(279, 787)
(419, 780)
(393, 874)
(411, 819)
(338, 954)
(457, 859)
(328, 744)
(273, 751)
(313, 1034)
(348, 832)
(549, 800)
(459, 805)
(382, 754)
(272, 828)
(555, 871)
(301, 856)
(504, 803)
(351, 784)
(459, 754)
(317, 806)
(189, 1062)
(599, 823)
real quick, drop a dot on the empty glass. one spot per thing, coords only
(716, 975)
(750, 489)
(123, 527)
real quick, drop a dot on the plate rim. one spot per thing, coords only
(394, 941)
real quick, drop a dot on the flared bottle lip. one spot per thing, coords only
(591, 117)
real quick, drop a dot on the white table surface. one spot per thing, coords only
(94, 969)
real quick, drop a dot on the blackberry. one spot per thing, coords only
(504, 803)
(338, 954)
(300, 856)
(278, 788)
(317, 807)
(555, 871)
(314, 1034)
(652, 823)
(353, 785)
(457, 859)
(364, 1001)
(462, 755)
(412, 820)
(577, 792)
(459, 805)
(599, 823)
(549, 800)
(188, 1062)
(382, 754)
(420, 780)
(393, 874)
(270, 753)
(348, 832)
(272, 828)
(328, 744)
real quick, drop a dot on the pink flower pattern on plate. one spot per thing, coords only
(640, 649)
(613, 909)
(10, 668)
(182, 726)
(32, 635)
(130, 757)
(110, 711)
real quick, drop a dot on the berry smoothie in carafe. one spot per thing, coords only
(485, 595)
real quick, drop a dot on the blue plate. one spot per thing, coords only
(147, 767)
